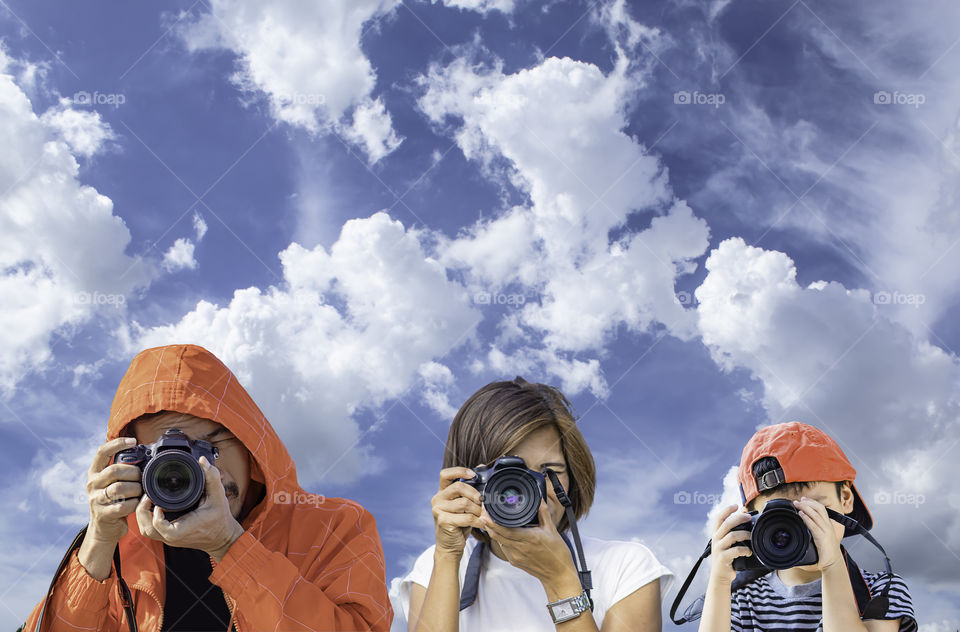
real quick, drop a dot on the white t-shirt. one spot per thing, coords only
(511, 600)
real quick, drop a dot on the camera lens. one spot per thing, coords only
(512, 497)
(780, 539)
(174, 481)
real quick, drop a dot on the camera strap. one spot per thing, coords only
(125, 598)
(869, 606)
(471, 582)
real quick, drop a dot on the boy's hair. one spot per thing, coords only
(769, 464)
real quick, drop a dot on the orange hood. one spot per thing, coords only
(322, 553)
(189, 379)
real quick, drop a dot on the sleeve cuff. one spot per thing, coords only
(83, 592)
(243, 561)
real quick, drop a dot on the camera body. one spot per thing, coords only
(510, 491)
(170, 473)
(778, 538)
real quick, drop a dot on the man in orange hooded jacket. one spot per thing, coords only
(258, 553)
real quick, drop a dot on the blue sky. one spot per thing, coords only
(695, 217)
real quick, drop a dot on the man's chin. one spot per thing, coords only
(235, 506)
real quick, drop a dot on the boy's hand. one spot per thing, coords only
(724, 546)
(814, 515)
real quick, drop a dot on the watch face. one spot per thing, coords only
(563, 610)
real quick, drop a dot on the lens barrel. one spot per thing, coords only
(512, 497)
(779, 537)
(173, 480)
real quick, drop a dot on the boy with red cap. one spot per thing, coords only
(804, 466)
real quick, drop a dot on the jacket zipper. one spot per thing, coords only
(144, 588)
(233, 624)
(236, 624)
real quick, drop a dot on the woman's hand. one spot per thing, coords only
(456, 509)
(540, 551)
(724, 546)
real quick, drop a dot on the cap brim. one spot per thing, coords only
(860, 512)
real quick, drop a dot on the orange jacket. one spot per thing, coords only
(305, 562)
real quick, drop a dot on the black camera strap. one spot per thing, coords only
(471, 582)
(586, 580)
(869, 606)
(125, 598)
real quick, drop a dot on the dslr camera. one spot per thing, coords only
(169, 471)
(510, 491)
(778, 538)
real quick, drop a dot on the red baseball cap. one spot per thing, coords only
(806, 454)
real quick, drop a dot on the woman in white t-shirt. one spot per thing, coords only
(523, 569)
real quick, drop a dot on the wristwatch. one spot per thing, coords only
(569, 608)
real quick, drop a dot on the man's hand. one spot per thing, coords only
(540, 551)
(814, 515)
(210, 527)
(112, 491)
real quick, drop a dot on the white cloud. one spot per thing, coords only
(482, 6)
(351, 328)
(85, 132)
(438, 379)
(179, 256)
(372, 129)
(730, 495)
(50, 224)
(555, 131)
(827, 356)
(878, 180)
(306, 58)
(199, 226)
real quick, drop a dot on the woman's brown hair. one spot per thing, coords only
(495, 419)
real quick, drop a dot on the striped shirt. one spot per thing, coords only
(769, 605)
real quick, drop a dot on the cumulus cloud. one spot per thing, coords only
(872, 176)
(482, 6)
(349, 329)
(179, 256)
(438, 379)
(307, 61)
(50, 223)
(85, 132)
(555, 131)
(828, 356)
(199, 226)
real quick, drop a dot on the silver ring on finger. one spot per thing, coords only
(106, 496)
